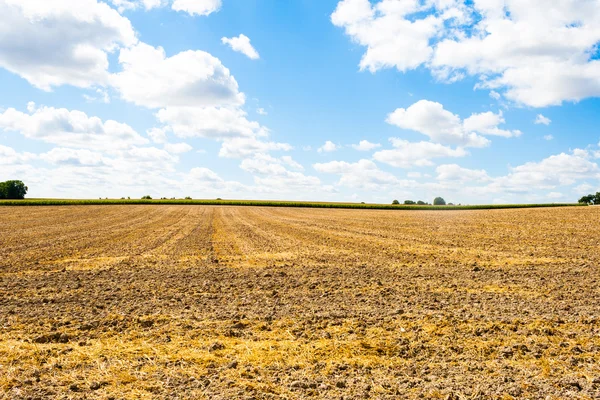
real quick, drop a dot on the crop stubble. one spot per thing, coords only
(144, 301)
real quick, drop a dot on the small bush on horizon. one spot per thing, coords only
(395, 202)
(147, 197)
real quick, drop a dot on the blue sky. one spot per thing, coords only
(485, 101)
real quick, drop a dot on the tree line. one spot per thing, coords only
(438, 201)
(13, 190)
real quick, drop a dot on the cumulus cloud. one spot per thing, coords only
(365, 145)
(241, 44)
(197, 7)
(558, 170)
(70, 129)
(192, 7)
(456, 173)
(210, 122)
(177, 148)
(272, 174)
(241, 147)
(391, 38)
(548, 137)
(541, 120)
(57, 42)
(187, 79)
(328, 147)
(431, 119)
(9, 156)
(407, 154)
(364, 174)
(534, 52)
(78, 157)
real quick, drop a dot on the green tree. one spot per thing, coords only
(395, 202)
(438, 201)
(421, 203)
(147, 197)
(409, 202)
(13, 190)
(591, 199)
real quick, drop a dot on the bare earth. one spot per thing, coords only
(196, 302)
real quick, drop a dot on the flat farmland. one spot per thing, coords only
(209, 302)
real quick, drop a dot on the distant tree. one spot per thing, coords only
(218, 198)
(409, 202)
(147, 197)
(13, 190)
(450, 204)
(591, 199)
(188, 198)
(421, 203)
(438, 201)
(395, 202)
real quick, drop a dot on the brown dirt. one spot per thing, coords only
(195, 302)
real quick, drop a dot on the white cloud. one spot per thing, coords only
(210, 122)
(441, 126)
(537, 53)
(584, 188)
(101, 97)
(241, 147)
(558, 170)
(177, 148)
(541, 120)
(241, 44)
(188, 79)
(261, 111)
(124, 5)
(192, 7)
(364, 174)
(205, 174)
(548, 137)
(78, 157)
(158, 135)
(271, 174)
(70, 129)
(555, 195)
(9, 156)
(328, 147)
(365, 145)
(197, 7)
(495, 95)
(56, 42)
(288, 160)
(415, 154)
(456, 173)
(392, 40)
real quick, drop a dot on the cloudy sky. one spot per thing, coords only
(480, 101)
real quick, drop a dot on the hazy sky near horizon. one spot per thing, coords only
(477, 101)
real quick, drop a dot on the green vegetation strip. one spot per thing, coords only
(51, 202)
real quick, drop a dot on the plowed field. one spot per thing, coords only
(200, 302)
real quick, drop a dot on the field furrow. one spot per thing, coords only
(211, 302)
